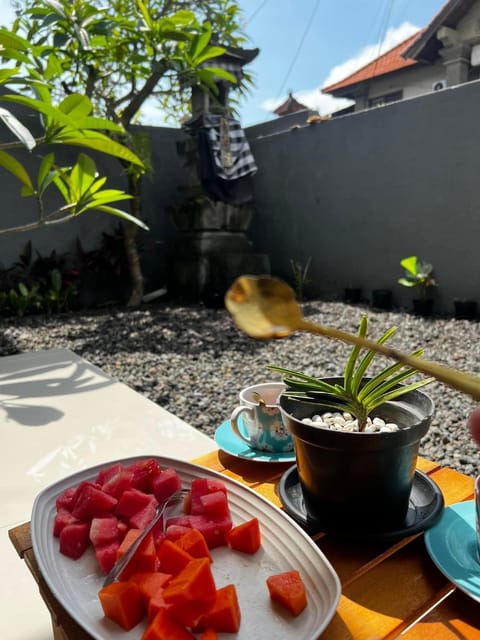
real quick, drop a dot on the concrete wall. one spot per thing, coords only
(357, 194)
(361, 192)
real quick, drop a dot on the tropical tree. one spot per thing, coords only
(120, 53)
(69, 122)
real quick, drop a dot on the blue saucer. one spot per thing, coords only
(452, 545)
(235, 446)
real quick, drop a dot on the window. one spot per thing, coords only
(379, 101)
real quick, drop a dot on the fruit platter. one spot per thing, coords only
(225, 565)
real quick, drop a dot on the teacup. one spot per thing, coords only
(261, 426)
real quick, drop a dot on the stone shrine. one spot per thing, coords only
(212, 247)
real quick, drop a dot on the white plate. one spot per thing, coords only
(285, 546)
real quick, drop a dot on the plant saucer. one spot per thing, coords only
(424, 510)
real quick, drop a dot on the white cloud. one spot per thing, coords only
(325, 104)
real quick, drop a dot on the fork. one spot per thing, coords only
(120, 565)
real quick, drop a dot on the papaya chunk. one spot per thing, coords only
(172, 558)
(164, 627)
(288, 590)
(122, 603)
(224, 615)
(195, 583)
(245, 537)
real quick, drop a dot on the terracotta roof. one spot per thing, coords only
(390, 61)
(291, 105)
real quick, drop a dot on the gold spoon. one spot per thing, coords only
(258, 398)
(264, 307)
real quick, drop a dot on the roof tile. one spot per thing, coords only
(390, 61)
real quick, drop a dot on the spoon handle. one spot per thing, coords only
(452, 377)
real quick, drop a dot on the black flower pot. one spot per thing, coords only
(382, 299)
(353, 295)
(358, 481)
(465, 309)
(423, 307)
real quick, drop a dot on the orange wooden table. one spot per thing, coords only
(387, 591)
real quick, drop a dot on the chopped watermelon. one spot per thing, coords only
(92, 502)
(107, 555)
(104, 530)
(165, 484)
(142, 518)
(62, 519)
(105, 474)
(215, 504)
(143, 473)
(214, 531)
(118, 483)
(66, 499)
(74, 539)
(132, 501)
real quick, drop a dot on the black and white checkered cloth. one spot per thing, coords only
(230, 148)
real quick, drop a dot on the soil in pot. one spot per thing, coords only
(358, 481)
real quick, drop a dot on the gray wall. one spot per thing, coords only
(357, 193)
(361, 192)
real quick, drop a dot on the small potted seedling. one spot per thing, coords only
(357, 437)
(418, 274)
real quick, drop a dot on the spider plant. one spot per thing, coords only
(357, 395)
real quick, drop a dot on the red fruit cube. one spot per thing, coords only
(176, 531)
(62, 519)
(107, 473)
(142, 518)
(92, 502)
(118, 483)
(103, 531)
(107, 555)
(214, 531)
(74, 539)
(123, 528)
(66, 499)
(215, 505)
(143, 473)
(132, 501)
(165, 484)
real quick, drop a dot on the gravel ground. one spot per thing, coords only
(193, 361)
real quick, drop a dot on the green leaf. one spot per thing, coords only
(367, 360)
(407, 283)
(12, 165)
(45, 174)
(221, 73)
(349, 367)
(76, 105)
(105, 145)
(17, 128)
(410, 264)
(124, 215)
(145, 14)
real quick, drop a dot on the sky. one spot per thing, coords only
(308, 44)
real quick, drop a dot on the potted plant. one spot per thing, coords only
(419, 274)
(382, 299)
(355, 477)
(465, 309)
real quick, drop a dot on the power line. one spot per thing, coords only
(257, 10)
(299, 48)
(384, 28)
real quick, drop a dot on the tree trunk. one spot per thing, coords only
(130, 233)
